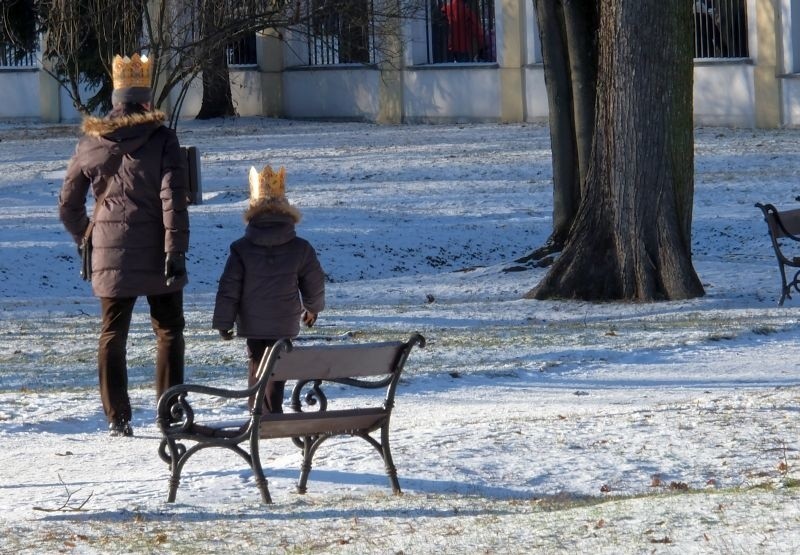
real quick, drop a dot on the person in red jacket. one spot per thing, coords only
(134, 168)
(465, 40)
(272, 278)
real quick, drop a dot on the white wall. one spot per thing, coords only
(536, 108)
(790, 94)
(191, 102)
(19, 91)
(337, 92)
(451, 93)
(789, 62)
(68, 111)
(246, 91)
(724, 94)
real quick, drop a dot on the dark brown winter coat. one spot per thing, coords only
(269, 277)
(144, 213)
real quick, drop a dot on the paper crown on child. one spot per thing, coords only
(131, 78)
(268, 194)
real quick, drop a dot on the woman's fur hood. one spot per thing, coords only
(93, 126)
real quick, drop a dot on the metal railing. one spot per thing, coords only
(13, 56)
(461, 31)
(341, 32)
(720, 29)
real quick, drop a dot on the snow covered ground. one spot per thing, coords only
(523, 426)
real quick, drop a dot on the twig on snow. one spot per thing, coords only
(65, 506)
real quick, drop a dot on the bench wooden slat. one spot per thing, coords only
(311, 423)
(330, 362)
(790, 220)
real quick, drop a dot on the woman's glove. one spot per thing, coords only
(174, 267)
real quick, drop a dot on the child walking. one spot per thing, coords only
(272, 279)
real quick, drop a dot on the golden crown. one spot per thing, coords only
(130, 72)
(267, 184)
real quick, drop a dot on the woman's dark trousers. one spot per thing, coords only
(166, 316)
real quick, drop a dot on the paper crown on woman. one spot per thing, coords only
(131, 78)
(268, 194)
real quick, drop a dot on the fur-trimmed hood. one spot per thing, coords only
(99, 127)
(269, 230)
(272, 206)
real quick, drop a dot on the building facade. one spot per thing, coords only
(479, 61)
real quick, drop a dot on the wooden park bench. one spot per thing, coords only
(363, 366)
(784, 231)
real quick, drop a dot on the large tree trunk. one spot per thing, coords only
(632, 234)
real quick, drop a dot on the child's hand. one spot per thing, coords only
(309, 318)
(226, 335)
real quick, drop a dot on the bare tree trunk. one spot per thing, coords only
(566, 184)
(568, 32)
(581, 27)
(631, 237)
(217, 97)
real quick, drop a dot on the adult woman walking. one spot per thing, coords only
(136, 172)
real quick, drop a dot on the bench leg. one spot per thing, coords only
(787, 286)
(174, 454)
(310, 445)
(784, 287)
(175, 475)
(173, 489)
(255, 463)
(261, 483)
(382, 447)
(391, 471)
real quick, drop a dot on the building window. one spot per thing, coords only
(340, 32)
(242, 52)
(720, 29)
(461, 31)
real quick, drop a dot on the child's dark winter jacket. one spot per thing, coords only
(270, 276)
